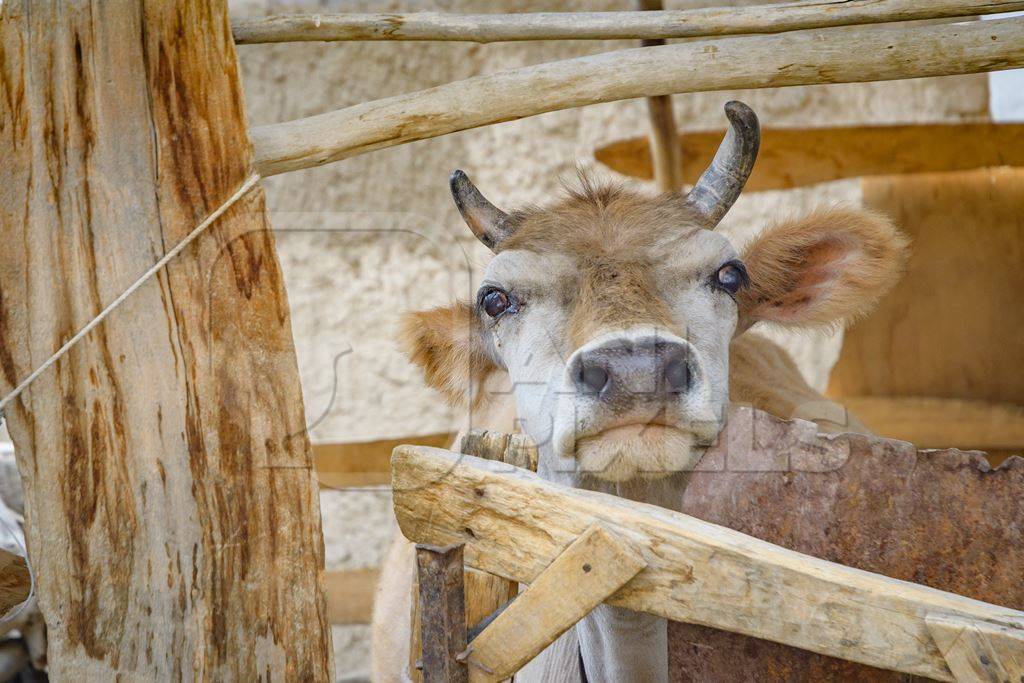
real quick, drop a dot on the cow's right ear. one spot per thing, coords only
(446, 343)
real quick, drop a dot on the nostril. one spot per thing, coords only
(677, 376)
(592, 378)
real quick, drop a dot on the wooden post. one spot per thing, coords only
(666, 152)
(442, 613)
(171, 509)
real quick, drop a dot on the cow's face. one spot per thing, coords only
(612, 313)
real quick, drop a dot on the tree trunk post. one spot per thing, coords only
(171, 509)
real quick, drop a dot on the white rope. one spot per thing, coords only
(239, 193)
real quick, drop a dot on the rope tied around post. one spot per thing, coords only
(153, 270)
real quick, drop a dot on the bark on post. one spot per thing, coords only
(172, 514)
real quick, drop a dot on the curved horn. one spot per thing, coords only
(489, 223)
(720, 185)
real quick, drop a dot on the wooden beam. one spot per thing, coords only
(442, 613)
(365, 463)
(799, 58)
(350, 595)
(666, 155)
(691, 23)
(978, 651)
(797, 157)
(942, 422)
(171, 510)
(515, 524)
(591, 569)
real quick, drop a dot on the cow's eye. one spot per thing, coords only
(495, 302)
(732, 276)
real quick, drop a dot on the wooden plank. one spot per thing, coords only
(442, 613)
(977, 651)
(690, 23)
(951, 328)
(799, 58)
(797, 157)
(514, 524)
(580, 578)
(350, 595)
(942, 422)
(171, 511)
(365, 463)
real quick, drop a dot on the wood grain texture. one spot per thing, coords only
(442, 613)
(979, 652)
(171, 509)
(797, 157)
(798, 58)
(515, 524)
(952, 327)
(365, 463)
(942, 422)
(587, 572)
(713, 21)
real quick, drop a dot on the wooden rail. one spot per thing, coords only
(691, 23)
(799, 58)
(797, 157)
(514, 524)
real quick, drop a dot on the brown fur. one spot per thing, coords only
(823, 269)
(610, 231)
(826, 268)
(444, 343)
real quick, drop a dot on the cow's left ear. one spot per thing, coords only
(824, 269)
(446, 343)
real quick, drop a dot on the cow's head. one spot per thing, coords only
(612, 312)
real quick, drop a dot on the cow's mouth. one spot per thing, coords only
(647, 450)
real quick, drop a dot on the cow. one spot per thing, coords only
(611, 327)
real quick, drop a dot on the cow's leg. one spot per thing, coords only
(392, 614)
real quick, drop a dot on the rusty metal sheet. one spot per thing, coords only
(942, 518)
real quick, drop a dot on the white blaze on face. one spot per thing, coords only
(664, 383)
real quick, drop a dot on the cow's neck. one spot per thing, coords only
(617, 644)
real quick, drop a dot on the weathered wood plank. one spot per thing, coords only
(797, 157)
(942, 422)
(364, 463)
(515, 524)
(799, 58)
(979, 652)
(591, 569)
(951, 329)
(442, 613)
(690, 23)
(171, 509)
